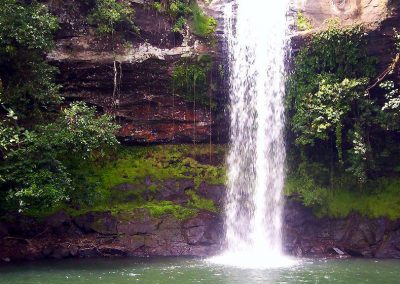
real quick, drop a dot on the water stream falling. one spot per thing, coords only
(256, 32)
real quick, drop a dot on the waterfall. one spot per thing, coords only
(256, 32)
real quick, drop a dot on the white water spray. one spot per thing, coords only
(256, 32)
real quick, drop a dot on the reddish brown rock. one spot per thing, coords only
(142, 97)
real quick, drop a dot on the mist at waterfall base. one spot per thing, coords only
(184, 270)
(256, 34)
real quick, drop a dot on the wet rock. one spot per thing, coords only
(17, 249)
(100, 222)
(112, 251)
(355, 235)
(60, 224)
(132, 243)
(169, 222)
(138, 222)
(174, 190)
(24, 226)
(214, 192)
(47, 250)
(206, 228)
(390, 247)
(204, 251)
(73, 250)
(57, 219)
(88, 252)
(146, 108)
(194, 235)
(60, 252)
(3, 230)
(134, 228)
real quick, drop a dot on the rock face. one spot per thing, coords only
(307, 235)
(126, 233)
(137, 233)
(369, 12)
(378, 17)
(103, 234)
(132, 78)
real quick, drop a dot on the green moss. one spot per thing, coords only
(144, 171)
(128, 179)
(129, 211)
(201, 24)
(191, 80)
(200, 203)
(302, 23)
(158, 209)
(380, 198)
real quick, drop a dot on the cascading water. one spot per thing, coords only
(256, 32)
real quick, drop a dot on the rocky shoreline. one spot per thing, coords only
(102, 234)
(98, 234)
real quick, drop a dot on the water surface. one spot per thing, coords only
(181, 270)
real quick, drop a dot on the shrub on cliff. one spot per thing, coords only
(26, 34)
(34, 174)
(330, 104)
(341, 116)
(108, 14)
(36, 138)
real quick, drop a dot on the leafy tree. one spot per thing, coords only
(37, 139)
(108, 14)
(30, 26)
(34, 175)
(330, 103)
(25, 36)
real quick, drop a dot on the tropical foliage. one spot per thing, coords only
(39, 133)
(343, 117)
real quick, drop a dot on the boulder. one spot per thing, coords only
(112, 251)
(3, 230)
(137, 222)
(88, 252)
(132, 243)
(390, 247)
(216, 193)
(60, 224)
(24, 227)
(100, 222)
(174, 190)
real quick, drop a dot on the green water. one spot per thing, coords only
(178, 270)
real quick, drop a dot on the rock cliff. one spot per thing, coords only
(139, 89)
(132, 78)
(139, 234)
(355, 235)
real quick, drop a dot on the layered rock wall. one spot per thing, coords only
(355, 235)
(139, 234)
(131, 78)
(102, 234)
